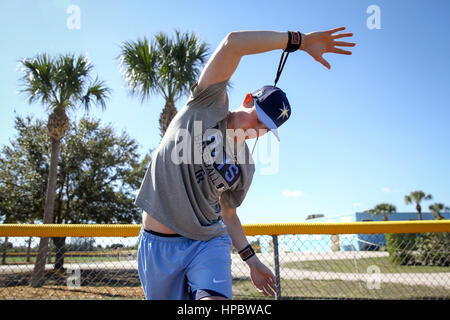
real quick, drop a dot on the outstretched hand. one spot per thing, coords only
(318, 43)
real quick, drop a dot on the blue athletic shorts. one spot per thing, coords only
(178, 268)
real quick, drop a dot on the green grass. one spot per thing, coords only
(340, 289)
(348, 266)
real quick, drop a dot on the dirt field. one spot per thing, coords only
(62, 292)
(95, 284)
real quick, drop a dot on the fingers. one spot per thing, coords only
(336, 30)
(273, 282)
(267, 291)
(264, 281)
(323, 62)
(344, 44)
(340, 51)
(342, 35)
(269, 288)
(262, 292)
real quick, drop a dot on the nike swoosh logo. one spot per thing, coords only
(218, 281)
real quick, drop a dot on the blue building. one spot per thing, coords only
(346, 242)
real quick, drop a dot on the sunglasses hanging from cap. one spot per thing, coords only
(294, 43)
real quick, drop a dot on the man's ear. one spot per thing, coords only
(248, 100)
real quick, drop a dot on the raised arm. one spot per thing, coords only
(225, 59)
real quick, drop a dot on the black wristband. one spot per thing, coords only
(294, 42)
(247, 253)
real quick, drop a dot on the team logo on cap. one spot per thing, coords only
(284, 112)
(259, 93)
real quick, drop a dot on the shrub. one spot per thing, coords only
(401, 247)
(428, 249)
(433, 249)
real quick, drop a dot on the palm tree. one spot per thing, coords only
(436, 209)
(417, 197)
(384, 209)
(60, 84)
(165, 66)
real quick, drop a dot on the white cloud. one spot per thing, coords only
(291, 193)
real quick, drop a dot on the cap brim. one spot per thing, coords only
(267, 121)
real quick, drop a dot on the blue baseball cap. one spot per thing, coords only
(272, 107)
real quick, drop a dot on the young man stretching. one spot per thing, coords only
(203, 169)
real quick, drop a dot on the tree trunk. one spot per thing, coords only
(29, 249)
(419, 211)
(37, 279)
(59, 242)
(60, 248)
(168, 113)
(5, 248)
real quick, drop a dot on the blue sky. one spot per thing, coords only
(372, 129)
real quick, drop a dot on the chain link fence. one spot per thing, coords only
(307, 266)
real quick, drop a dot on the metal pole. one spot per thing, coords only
(277, 266)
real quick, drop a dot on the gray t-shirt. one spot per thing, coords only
(194, 165)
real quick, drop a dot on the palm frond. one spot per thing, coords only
(417, 196)
(139, 63)
(63, 82)
(167, 65)
(73, 75)
(383, 208)
(97, 91)
(184, 60)
(408, 200)
(37, 79)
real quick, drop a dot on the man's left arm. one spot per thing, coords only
(226, 58)
(263, 279)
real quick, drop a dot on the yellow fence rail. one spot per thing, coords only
(130, 230)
